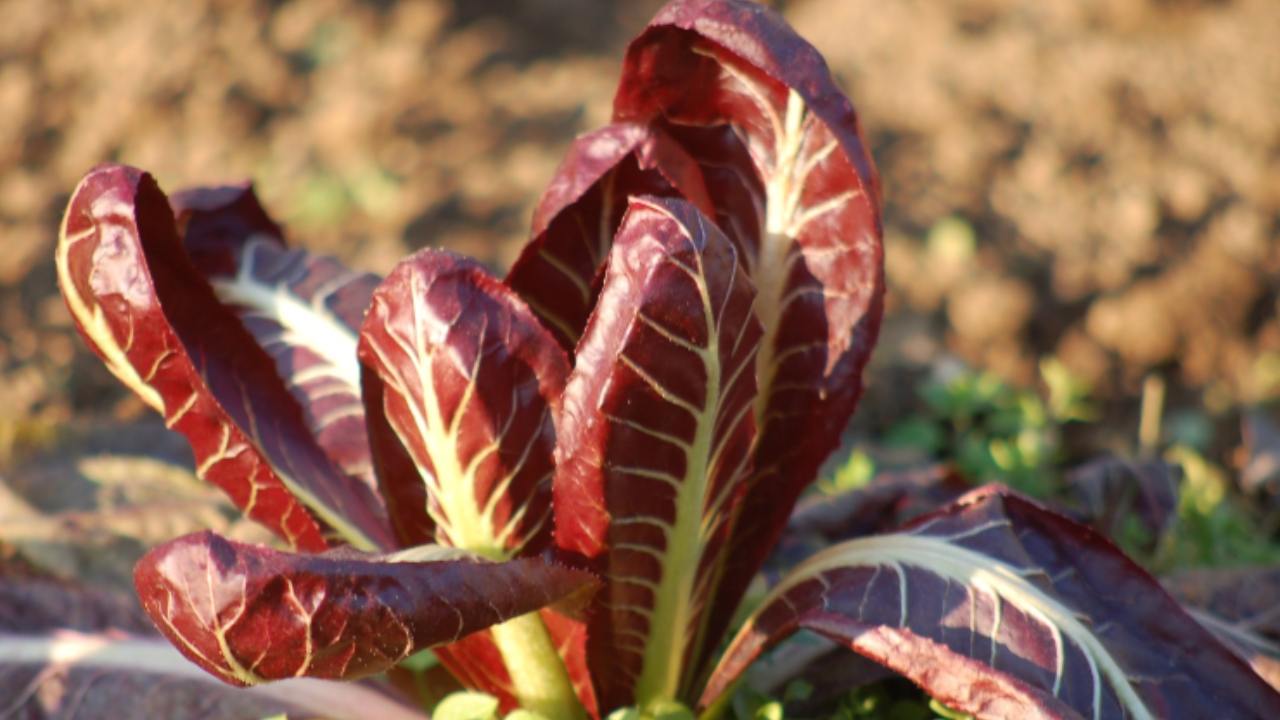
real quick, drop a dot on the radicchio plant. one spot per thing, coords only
(564, 481)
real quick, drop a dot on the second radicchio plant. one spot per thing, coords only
(564, 481)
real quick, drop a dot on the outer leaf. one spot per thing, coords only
(655, 441)
(889, 500)
(157, 324)
(793, 183)
(1262, 654)
(469, 382)
(249, 614)
(68, 651)
(1000, 608)
(305, 310)
(575, 221)
(1241, 606)
(826, 670)
(1246, 597)
(1112, 490)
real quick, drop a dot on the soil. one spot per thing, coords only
(1096, 180)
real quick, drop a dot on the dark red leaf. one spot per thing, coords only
(1003, 609)
(156, 322)
(249, 614)
(469, 382)
(793, 183)
(570, 637)
(575, 221)
(655, 440)
(305, 310)
(477, 663)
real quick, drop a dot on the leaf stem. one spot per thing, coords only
(538, 676)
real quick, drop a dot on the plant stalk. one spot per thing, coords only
(538, 676)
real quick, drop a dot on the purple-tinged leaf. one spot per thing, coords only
(1003, 609)
(1241, 606)
(889, 500)
(72, 651)
(655, 440)
(1109, 491)
(469, 381)
(1248, 597)
(827, 669)
(249, 614)
(305, 310)
(747, 96)
(574, 223)
(216, 223)
(1262, 653)
(158, 325)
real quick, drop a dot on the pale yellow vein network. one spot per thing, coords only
(944, 557)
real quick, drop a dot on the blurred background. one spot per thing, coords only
(1082, 196)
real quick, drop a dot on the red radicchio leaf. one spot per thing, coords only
(143, 307)
(789, 172)
(469, 381)
(477, 663)
(1003, 609)
(655, 442)
(304, 310)
(250, 614)
(574, 223)
(461, 386)
(71, 651)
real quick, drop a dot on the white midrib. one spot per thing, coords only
(971, 569)
(132, 655)
(771, 268)
(539, 679)
(326, 335)
(463, 521)
(669, 623)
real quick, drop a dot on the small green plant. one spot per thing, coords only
(1213, 527)
(992, 431)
